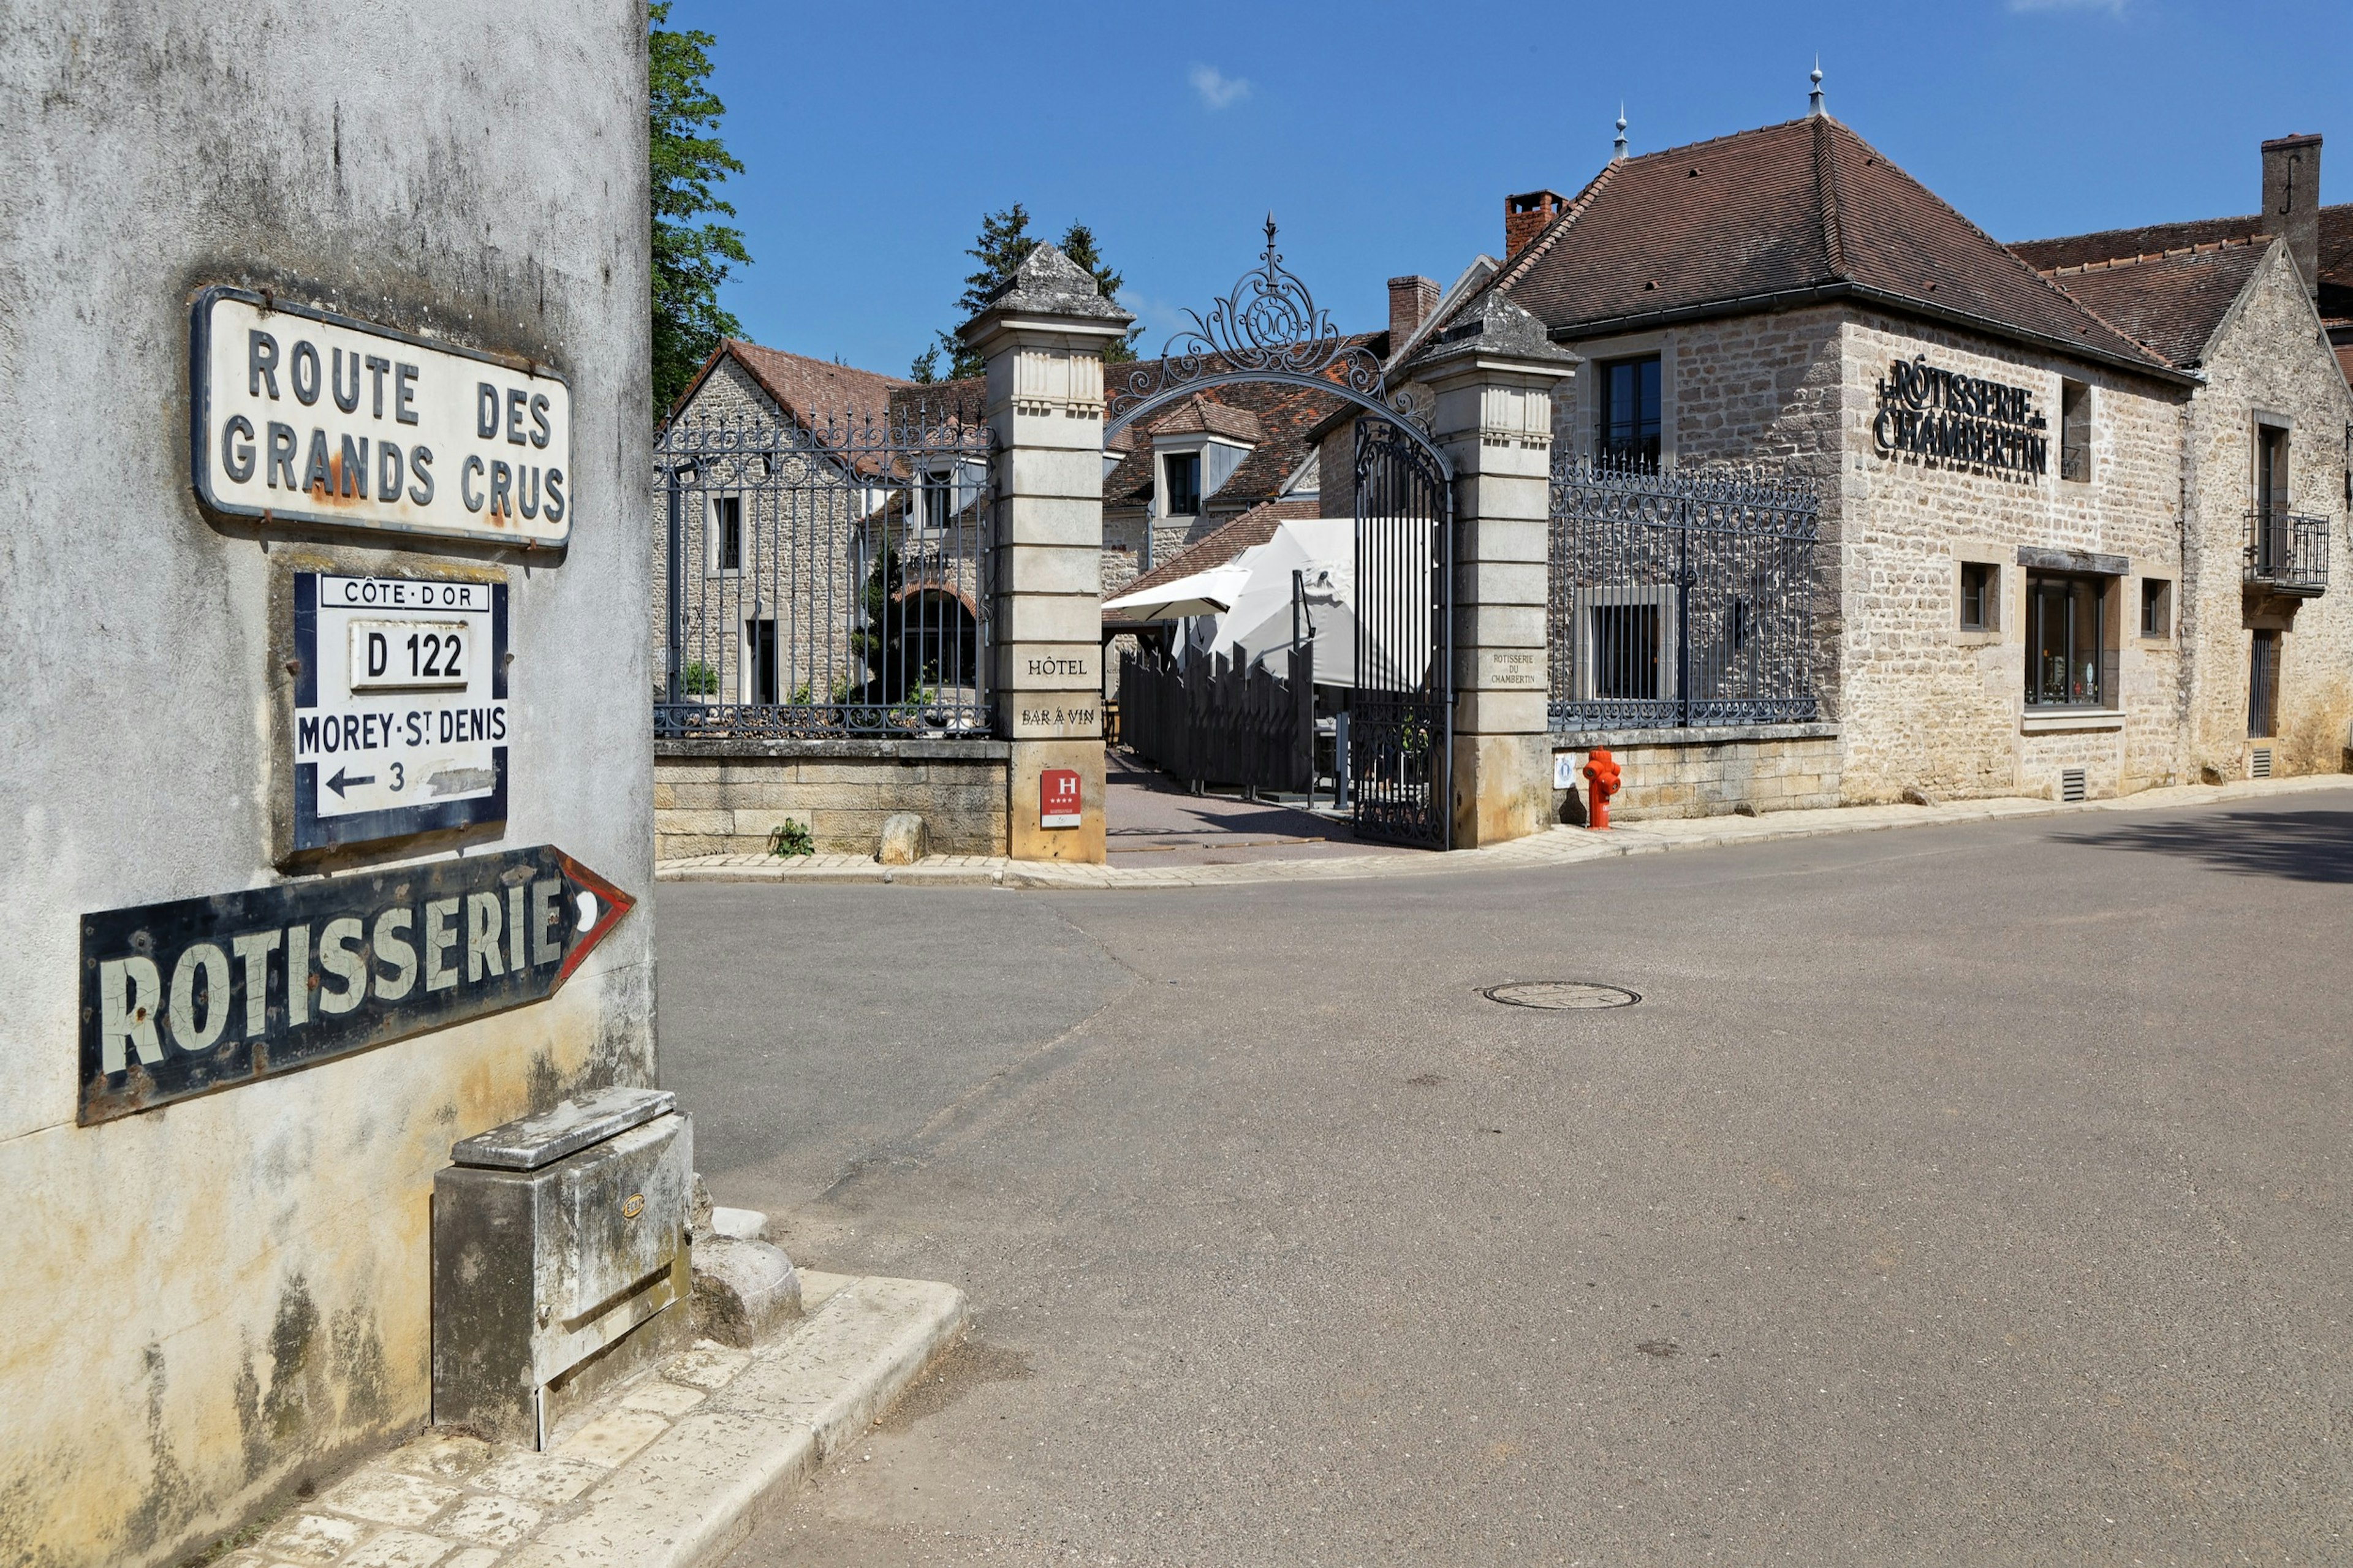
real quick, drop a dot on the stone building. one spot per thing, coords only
(2022, 545)
(822, 560)
(832, 604)
(2251, 306)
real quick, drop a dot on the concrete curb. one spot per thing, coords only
(674, 1469)
(699, 1491)
(1555, 846)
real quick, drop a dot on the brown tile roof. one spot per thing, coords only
(959, 403)
(1218, 546)
(1285, 417)
(1779, 215)
(815, 394)
(2170, 302)
(1197, 415)
(2154, 239)
(815, 389)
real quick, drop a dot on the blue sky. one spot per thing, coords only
(1383, 136)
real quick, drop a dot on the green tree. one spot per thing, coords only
(1005, 241)
(1079, 244)
(687, 161)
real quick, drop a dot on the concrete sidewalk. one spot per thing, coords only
(673, 1470)
(1557, 846)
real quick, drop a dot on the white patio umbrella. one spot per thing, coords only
(1209, 593)
(1324, 551)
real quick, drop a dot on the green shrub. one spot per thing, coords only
(791, 838)
(700, 679)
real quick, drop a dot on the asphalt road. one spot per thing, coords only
(1973, 1194)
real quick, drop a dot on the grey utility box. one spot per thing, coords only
(555, 1238)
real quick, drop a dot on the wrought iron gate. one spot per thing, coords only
(824, 578)
(1401, 717)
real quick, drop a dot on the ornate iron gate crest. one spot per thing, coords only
(1269, 327)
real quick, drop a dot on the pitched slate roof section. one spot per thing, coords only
(1803, 210)
(1197, 415)
(2170, 302)
(815, 394)
(952, 403)
(2336, 301)
(805, 388)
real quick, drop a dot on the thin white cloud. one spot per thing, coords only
(1219, 91)
(2113, 8)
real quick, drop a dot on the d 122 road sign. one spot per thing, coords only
(400, 706)
(179, 999)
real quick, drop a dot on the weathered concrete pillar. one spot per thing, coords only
(1492, 375)
(1043, 335)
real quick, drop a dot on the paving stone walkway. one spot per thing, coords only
(671, 1470)
(1556, 846)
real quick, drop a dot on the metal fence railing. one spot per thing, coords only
(827, 579)
(2287, 553)
(1212, 722)
(1680, 599)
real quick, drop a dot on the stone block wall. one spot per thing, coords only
(2267, 358)
(214, 1306)
(1707, 773)
(2101, 753)
(1929, 705)
(727, 797)
(1761, 392)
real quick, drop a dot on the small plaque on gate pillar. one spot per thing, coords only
(1057, 798)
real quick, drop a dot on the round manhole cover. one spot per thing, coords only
(1561, 995)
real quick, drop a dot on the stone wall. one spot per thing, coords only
(728, 797)
(1918, 700)
(1708, 773)
(215, 1305)
(1928, 704)
(2269, 356)
(1760, 391)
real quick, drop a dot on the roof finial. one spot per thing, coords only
(1814, 100)
(1621, 134)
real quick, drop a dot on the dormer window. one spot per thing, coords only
(1181, 472)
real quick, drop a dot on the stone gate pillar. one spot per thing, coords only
(1043, 334)
(1492, 375)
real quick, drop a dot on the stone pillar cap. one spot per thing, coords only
(1048, 286)
(1495, 333)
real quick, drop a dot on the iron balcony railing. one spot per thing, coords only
(2287, 553)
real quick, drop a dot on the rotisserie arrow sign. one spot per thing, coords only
(180, 999)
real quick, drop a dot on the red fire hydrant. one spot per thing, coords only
(1601, 783)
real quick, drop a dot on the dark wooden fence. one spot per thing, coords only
(1212, 722)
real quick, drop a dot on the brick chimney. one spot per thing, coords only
(1411, 300)
(2292, 201)
(1525, 216)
